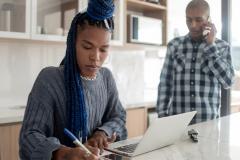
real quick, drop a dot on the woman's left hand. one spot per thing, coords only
(101, 140)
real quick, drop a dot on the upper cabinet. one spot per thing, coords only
(15, 19)
(51, 19)
(146, 22)
(141, 22)
(117, 36)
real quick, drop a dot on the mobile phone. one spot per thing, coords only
(207, 29)
(113, 156)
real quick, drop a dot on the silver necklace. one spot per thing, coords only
(87, 78)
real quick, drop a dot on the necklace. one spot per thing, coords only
(87, 78)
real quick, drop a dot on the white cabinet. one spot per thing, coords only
(51, 19)
(15, 19)
(48, 20)
(117, 36)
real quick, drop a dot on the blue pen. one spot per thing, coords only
(75, 140)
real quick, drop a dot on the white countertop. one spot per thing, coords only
(15, 113)
(217, 140)
(141, 104)
(11, 114)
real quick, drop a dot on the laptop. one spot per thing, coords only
(162, 132)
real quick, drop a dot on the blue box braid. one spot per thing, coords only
(77, 117)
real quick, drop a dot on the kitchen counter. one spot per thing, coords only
(217, 140)
(141, 104)
(11, 114)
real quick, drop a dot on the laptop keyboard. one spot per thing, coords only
(128, 148)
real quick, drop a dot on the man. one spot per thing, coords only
(195, 68)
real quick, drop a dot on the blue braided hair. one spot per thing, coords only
(76, 106)
(106, 11)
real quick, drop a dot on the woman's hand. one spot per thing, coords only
(101, 140)
(67, 153)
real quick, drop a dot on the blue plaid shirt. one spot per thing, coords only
(192, 76)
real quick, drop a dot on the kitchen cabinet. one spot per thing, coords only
(51, 19)
(15, 19)
(48, 20)
(136, 121)
(9, 135)
(147, 9)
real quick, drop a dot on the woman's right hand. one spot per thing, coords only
(77, 153)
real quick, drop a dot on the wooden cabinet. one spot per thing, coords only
(150, 10)
(9, 134)
(136, 122)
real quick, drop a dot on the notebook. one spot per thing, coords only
(162, 132)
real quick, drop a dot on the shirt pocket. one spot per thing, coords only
(179, 62)
(204, 66)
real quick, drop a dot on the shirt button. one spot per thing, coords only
(192, 70)
(192, 109)
(192, 95)
(192, 83)
(194, 59)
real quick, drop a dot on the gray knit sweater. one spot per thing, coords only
(45, 116)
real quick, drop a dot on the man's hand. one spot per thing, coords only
(210, 38)
(67, 153)
(100, 140)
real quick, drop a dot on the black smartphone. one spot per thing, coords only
(115, 157)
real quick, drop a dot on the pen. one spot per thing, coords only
(75, 140)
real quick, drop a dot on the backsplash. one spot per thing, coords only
(128, 70)
(21, 61)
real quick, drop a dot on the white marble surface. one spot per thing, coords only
(147, 104)
(225, 129)
(218, 140)
(11, 114)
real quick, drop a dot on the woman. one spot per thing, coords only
(80, 95)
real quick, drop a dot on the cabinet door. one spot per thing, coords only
(136, 122)
(117, 36)
(9, 135)
(51, 19)
(15, 19)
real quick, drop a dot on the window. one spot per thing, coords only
(235, 42)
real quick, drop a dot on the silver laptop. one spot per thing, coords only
(162, 132)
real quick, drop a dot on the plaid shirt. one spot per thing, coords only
(192, 76)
